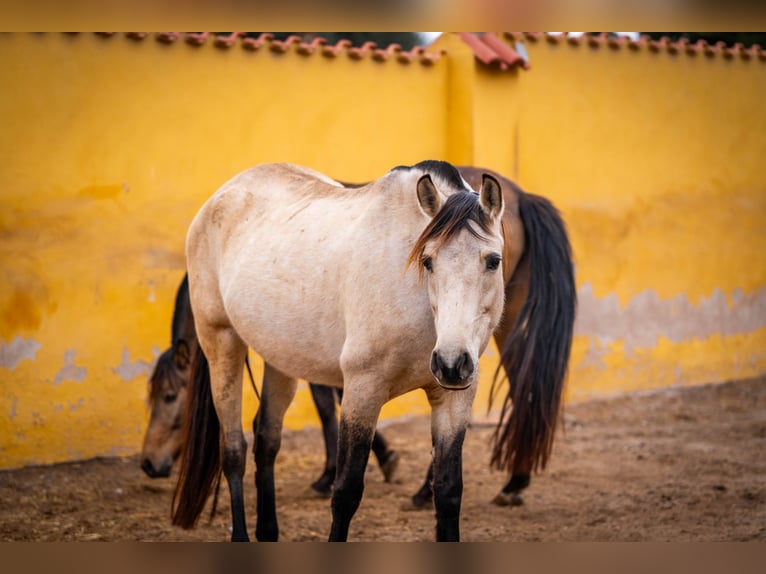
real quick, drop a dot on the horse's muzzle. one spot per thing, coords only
(454, 375)
(162, 472)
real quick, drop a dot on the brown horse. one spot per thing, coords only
(168, 391)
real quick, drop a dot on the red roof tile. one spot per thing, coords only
(489, 48)
(663, 45)
(295, 44)
(492, 51)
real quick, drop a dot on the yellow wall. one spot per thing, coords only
(657, 163)
(110, 145)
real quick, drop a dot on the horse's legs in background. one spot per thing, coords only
(324, 399)
(276, 395)
(510, 495)
(225, 353)
(516, 292)
(450, 415)
(424, 497)
(388, 459)
(358, 417)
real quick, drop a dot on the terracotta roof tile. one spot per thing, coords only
(317, 45)
(493, 51)
(196, 38)
(489, 48)
(381, 55)
(168, 37)
(663, 45)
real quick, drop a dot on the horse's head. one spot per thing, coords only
(460, 254)
(168, 398)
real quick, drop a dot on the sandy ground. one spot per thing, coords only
(673, 465)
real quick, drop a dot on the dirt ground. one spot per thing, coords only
(672, 465)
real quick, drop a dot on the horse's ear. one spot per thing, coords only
(491, 196)
(181, 355)
(429, 198)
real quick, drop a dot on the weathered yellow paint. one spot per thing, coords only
(110, 145)
(668, 364)
(656, 162)
(109, 148)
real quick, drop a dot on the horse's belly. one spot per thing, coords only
(290, 333)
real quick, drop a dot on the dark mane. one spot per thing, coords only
(458, 212)
(165, 369)
(442, 169)
(351, 185)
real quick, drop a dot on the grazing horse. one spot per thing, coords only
(317, 279)
(168, 390)
(168, 395)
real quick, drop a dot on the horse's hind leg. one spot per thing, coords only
(324, 400)
(450, 415)
(276, 395)
(226, 352)
(424, 497)
(510, 495)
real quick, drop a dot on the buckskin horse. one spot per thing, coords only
(372, 326)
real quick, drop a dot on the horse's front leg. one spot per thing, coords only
(358, 417)
(277, 394)
(450, 415)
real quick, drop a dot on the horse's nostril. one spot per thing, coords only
(464, 365)
(148, 468)
(436, 364)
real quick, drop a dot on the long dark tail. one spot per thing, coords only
(536, 355)
(200, 469)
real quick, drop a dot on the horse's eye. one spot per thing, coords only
(428, 263)
(493, 262)
(169, 398)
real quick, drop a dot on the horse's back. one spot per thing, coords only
(309, 233)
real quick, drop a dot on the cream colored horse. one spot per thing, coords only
(381, 289)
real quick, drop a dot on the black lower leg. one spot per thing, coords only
(234, 471)
(353, 454)
(425, 496)
(324, 400)
(517, 483)
(380, 448)
(266, 449)
(448, 487)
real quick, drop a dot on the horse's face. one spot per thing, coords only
(168, 398)
(461, 258)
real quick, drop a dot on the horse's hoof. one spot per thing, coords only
(508, 499)
(389, 467)
(322, 489)
(420, 503)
